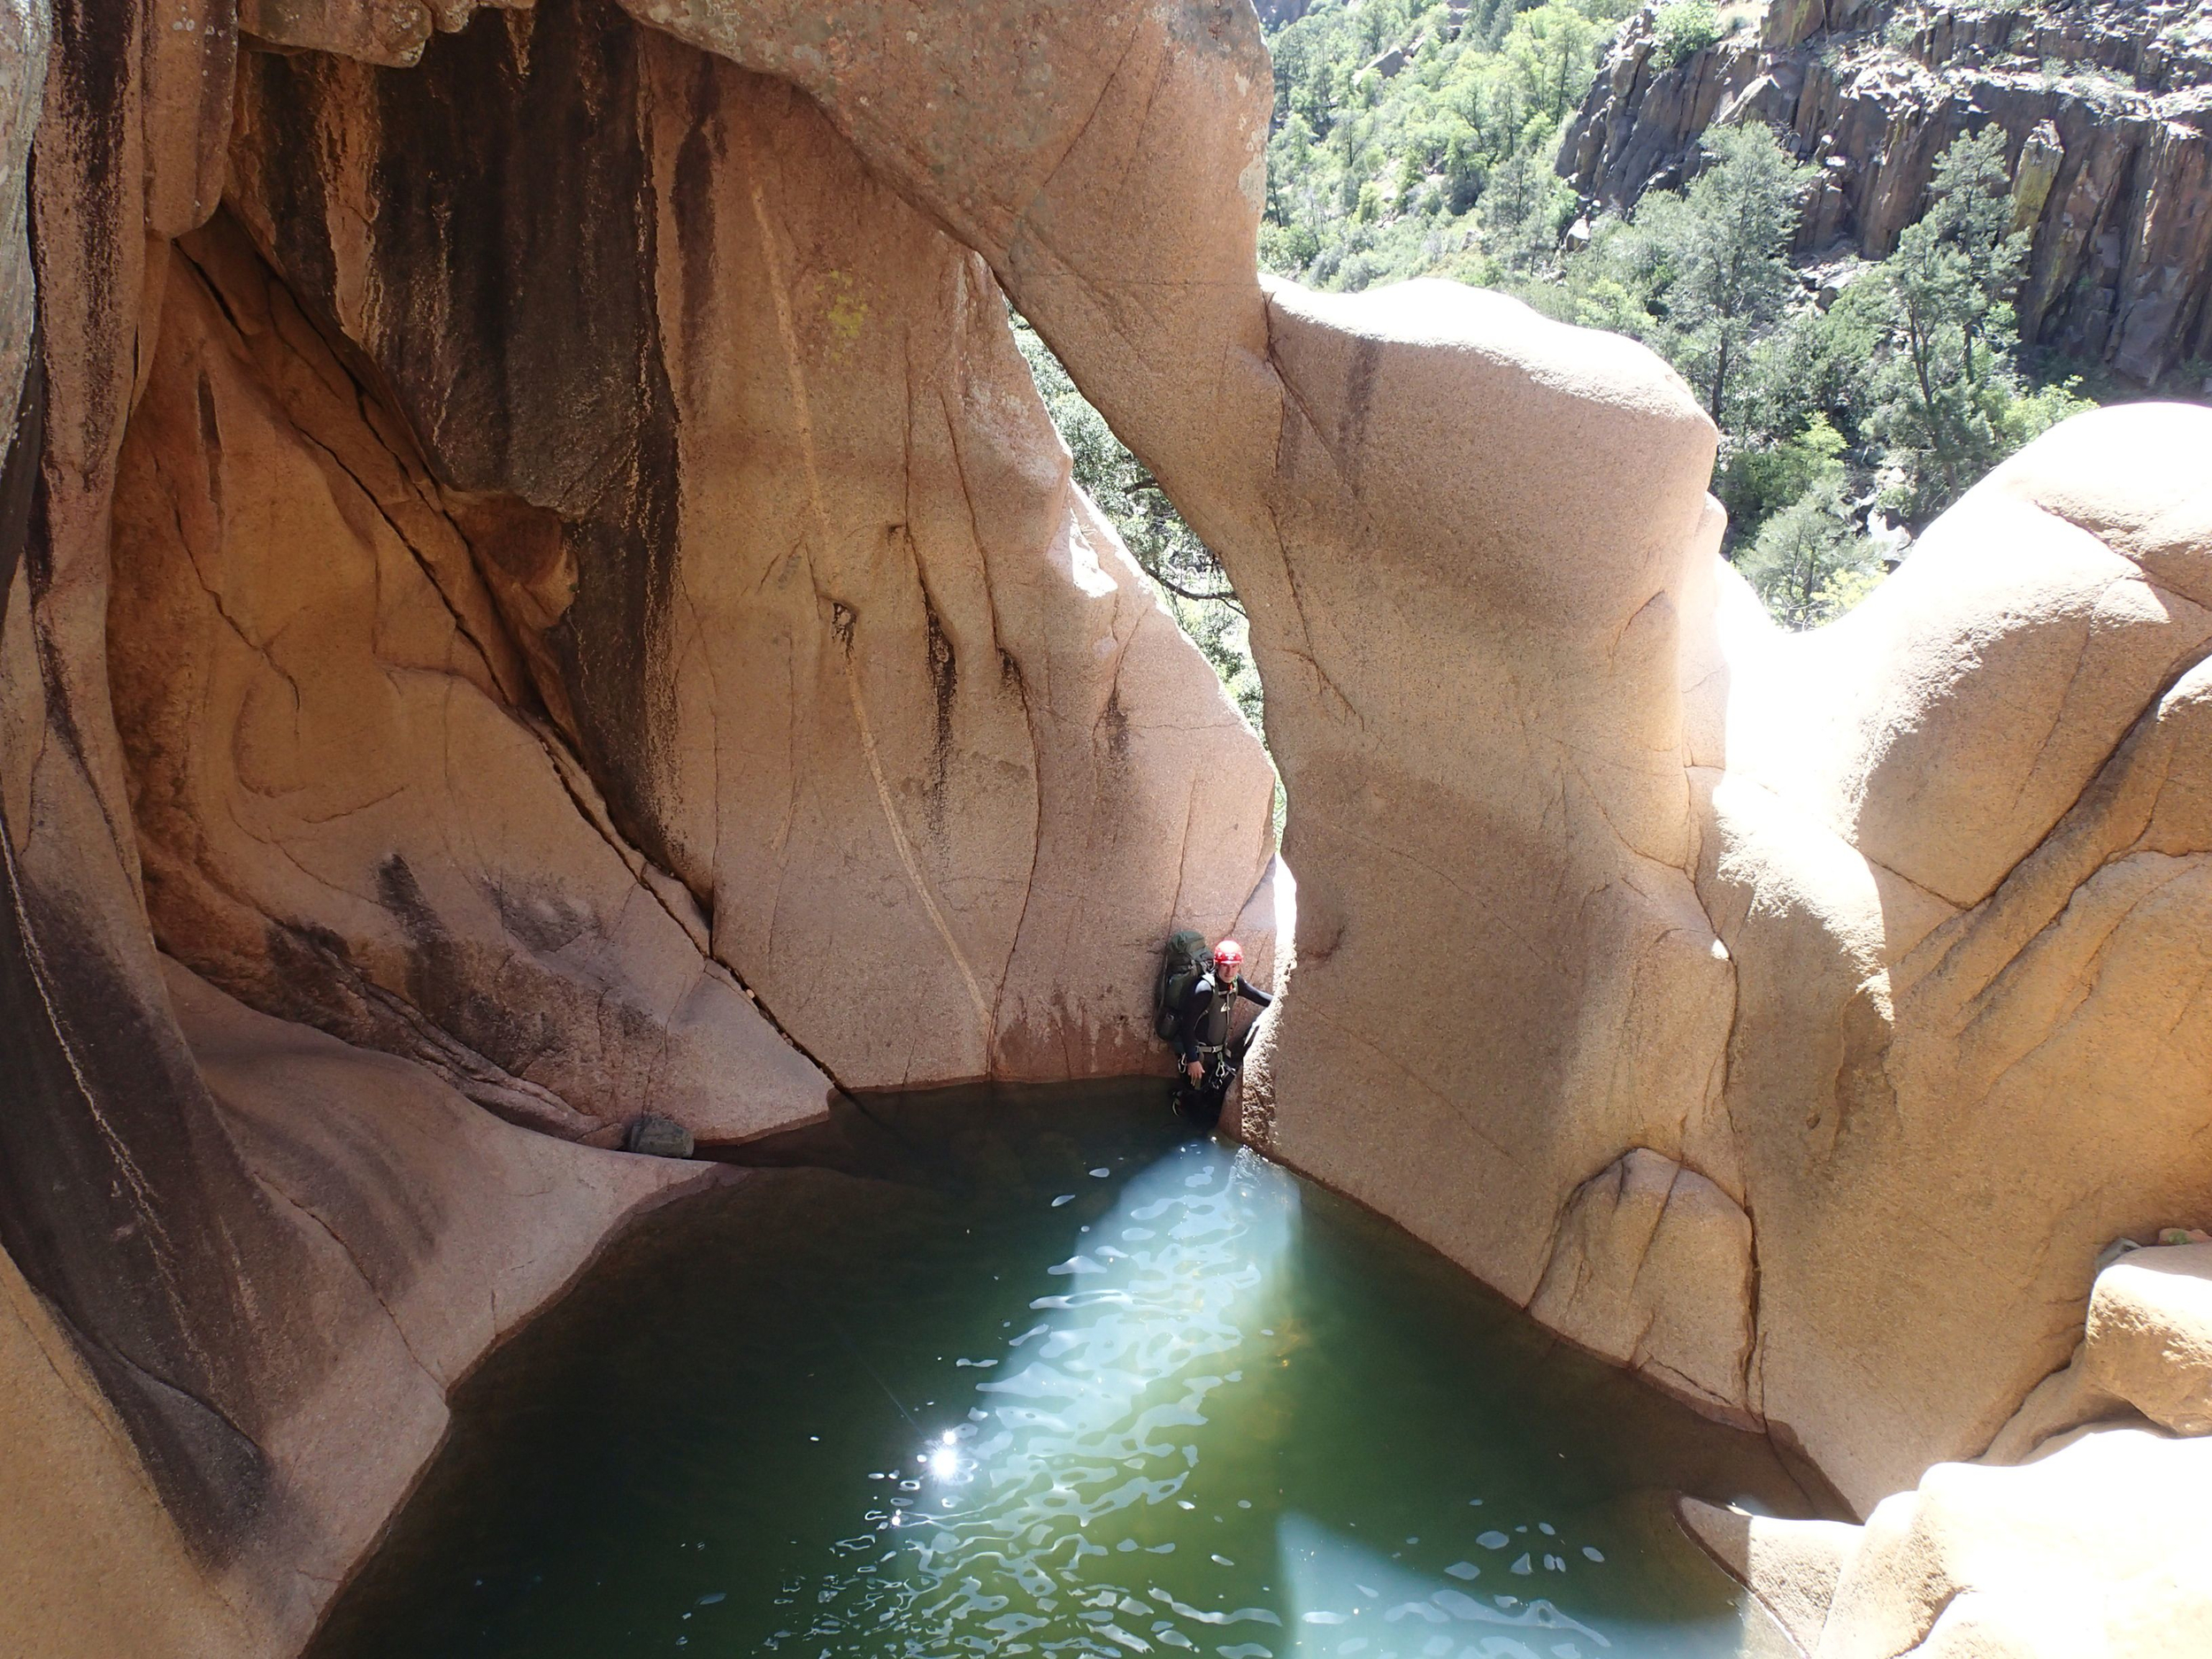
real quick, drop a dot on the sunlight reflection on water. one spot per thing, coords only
(894, 1401)
(1087, 1446)
(1101, 1417)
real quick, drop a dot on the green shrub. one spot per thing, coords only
(1810, 562)
(1684, 26)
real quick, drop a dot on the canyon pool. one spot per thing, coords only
(1038, 1371)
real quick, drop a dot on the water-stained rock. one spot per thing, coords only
(850, 659)
(606, 436)
(289, 590)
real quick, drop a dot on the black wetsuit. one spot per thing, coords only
(1202, 1034)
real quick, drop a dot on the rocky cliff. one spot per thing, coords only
(537, 590)
(2107, 113)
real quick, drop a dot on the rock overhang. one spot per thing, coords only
(1831, 985)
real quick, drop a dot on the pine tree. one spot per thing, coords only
(1727, 241)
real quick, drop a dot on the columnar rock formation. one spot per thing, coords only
(538, 590)
(2107, 114)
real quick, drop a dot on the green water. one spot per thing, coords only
(1034, 1372)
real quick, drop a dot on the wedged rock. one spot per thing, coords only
(374, 31)
(2149, 1335)
(654, 1137)
(2145, 1356)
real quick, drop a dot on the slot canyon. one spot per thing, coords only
(538, 590)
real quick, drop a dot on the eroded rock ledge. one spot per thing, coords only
(537, 589)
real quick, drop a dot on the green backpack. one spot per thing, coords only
(1182, 964)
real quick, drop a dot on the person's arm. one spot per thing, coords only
(1252, 993)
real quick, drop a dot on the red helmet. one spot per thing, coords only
(1229, 957)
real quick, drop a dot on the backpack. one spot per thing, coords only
(1182, 962)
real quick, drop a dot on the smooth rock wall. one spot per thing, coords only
(1544, 923)
(424, 663)
(1957, 854)
(619, 452)
(822, 614)
(344, 816)
(2076, 1535)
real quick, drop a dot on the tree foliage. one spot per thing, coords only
(1683, 28)
(1414, 139)
(1442, 167)
(1893, 399)
(1724, 276)
(1810, 562)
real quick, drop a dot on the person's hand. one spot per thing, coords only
(1197, 1069)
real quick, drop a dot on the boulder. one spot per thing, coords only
(1652, 1269)
(1792, 1567)
(2092, 1549)
(652, 1137)
(2149, 1335)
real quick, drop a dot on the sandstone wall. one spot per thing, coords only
(1955, 856)
(1511, 691)
(2075, 1536)
(821, 614)
(601, 436)
(454, 681)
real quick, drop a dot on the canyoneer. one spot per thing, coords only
(1196, 997)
